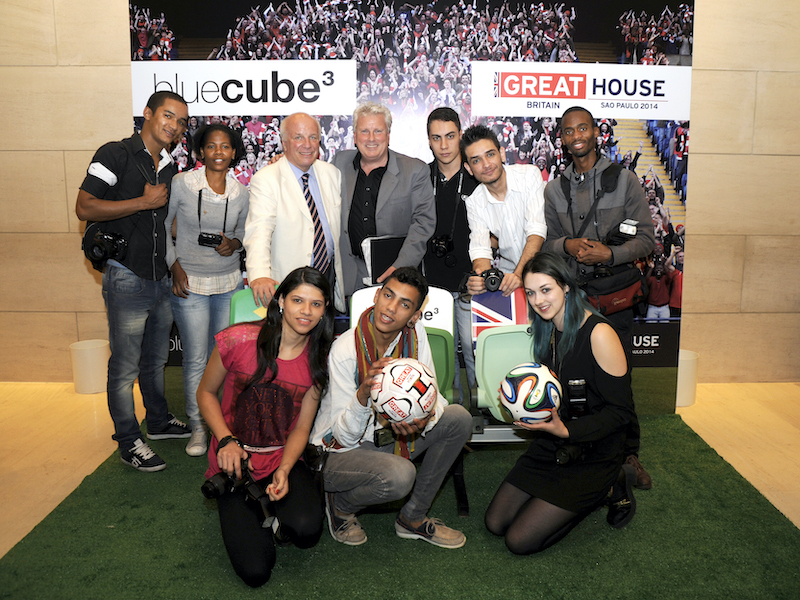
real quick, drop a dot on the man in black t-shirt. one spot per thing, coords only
(447, 259)
(126, 190)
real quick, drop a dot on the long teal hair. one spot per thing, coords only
(575, 305)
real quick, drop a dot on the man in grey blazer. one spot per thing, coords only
(280, 230)
(383, 194)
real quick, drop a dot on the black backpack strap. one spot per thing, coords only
(608, 183)
(610, 178)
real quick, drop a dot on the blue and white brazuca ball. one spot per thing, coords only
(406, 390)
(529, 392)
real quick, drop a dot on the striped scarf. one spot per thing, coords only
(367, 353)
(366, 349)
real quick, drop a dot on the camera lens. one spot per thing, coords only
(492, 279)
(215, 486)
(96, 252)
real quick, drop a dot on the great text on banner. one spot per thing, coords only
(548, 89)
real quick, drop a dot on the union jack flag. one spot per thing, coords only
(492, 310)
(497, 85)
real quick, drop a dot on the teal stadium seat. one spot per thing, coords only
(444, 359)
(497, 350)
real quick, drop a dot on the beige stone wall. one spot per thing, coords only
(66, 90)
(64, 66)
(741, 307)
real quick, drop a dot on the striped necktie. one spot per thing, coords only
(320, 256)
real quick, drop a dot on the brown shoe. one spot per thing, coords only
(347, 529)
(432, 531)
(643, 480)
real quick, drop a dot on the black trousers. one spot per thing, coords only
(250, 547)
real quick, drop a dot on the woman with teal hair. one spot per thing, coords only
(541, 500)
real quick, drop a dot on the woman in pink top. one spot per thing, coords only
(274, 373)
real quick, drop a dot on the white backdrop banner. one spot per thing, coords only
(611, 91)
(250, 87)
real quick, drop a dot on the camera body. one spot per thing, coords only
(441, 246)
(492, 278)
(575, 407)
(576, 399)
(222, 483)
(624, 232)
(383, 437)
(100, 246)
(212, 240)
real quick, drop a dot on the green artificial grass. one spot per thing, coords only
(654, 390)
(701, 532)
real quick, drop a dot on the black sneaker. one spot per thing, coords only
(621, 502)
(173, 430)
(142, 458)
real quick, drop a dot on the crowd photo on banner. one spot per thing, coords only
(414, 58)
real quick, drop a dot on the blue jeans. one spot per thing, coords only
(139, 322)
(657, 313)
(199, 319)
(370, 474)
(463, 309)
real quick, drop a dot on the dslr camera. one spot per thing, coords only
(212, 240)
(624, 232)
(492, 278)
(100, 246)
(222, 483)
(576, 407)
(441, 246)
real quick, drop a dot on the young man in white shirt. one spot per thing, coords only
(508, 206)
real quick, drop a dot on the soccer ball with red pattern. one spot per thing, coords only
(404, 391)
(529, 392)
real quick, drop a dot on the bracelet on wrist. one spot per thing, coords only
(227, 440)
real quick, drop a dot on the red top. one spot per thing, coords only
(268, 412)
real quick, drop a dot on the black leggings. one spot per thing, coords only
(250, 547)
(529, 524)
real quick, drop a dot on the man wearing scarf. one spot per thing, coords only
(369, 460)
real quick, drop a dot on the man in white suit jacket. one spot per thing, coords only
(279, 232)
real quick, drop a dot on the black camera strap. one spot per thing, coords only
(608, 183)
(459, 199)
(200, 204)
(147, 175)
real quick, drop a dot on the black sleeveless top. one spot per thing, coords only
(599, 432)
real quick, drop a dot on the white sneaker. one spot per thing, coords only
(198, 442)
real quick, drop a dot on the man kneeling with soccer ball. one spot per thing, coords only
(369, 458)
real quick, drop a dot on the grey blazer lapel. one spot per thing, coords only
(388, 183)
(349, 176)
